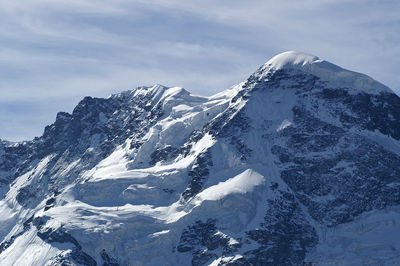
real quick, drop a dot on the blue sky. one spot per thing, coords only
(53, 53)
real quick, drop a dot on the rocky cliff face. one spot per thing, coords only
(298, 164)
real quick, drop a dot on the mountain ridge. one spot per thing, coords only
(261, 174)
(285, 60)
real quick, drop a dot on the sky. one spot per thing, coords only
(55, 52)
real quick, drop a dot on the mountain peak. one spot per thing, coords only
(292, 59)
(156, 91)
(188, 180)
(335, 75)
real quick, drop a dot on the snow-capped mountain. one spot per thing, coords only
(298, 164)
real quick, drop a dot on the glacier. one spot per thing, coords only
(299, 164)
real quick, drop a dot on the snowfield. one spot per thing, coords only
(300, 163)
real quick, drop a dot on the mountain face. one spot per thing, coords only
(298, 164)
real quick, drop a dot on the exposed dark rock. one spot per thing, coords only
(198, 175)
(107, 260)
(284, 237)
(202, 239)
(61, 236)
(163, 154)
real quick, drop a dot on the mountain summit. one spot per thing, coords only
(298, 164)
(335, 75)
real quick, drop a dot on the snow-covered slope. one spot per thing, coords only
(300, 163)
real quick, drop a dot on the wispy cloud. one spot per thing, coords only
(53, 53)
